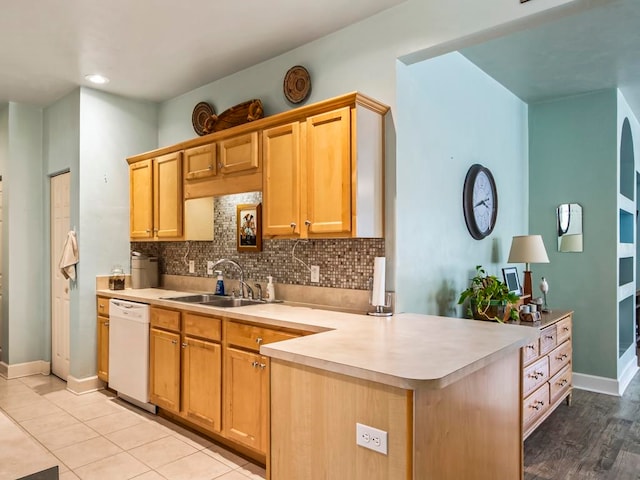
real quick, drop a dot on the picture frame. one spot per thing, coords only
(249, 227)
(512, 279)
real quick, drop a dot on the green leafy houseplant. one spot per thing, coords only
(488, 297)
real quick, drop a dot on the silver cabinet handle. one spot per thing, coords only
(185, 345)
(174, 342)
(259, 340)
(307, 223)
(262, 366)
(210, 167)
(293, 225)
(254, 364)
(106, 324)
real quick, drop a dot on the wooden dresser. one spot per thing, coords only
(546, 365)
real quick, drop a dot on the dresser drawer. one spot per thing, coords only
(251, 336)
(103, 306)
(535, 375)
(530, 352)
(559, 358)
(168, 319)
(535, 405)
(560, 383)
(563, 330)
(548, 339)
(202, 326)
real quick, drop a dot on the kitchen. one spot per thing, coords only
(105, 200)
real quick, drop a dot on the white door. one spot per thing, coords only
(60, 226)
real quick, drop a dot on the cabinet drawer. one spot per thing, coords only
(202, 326)
(103, 306)
(559, 358)
(535, 405)
(563, 329)
(534, 375)
(548, 339)
(167, 319)
(530, 352)
(560, 383)
(251, 336)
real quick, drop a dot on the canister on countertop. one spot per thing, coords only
(144, 271)
(116, 280)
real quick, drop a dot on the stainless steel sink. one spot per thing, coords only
(215, 300)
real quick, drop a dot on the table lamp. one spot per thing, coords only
(527, 249)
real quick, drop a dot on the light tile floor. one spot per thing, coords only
(96, 436)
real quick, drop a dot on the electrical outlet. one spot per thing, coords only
(371, 438)
(210, 267)
(192, 266)
(315, 274)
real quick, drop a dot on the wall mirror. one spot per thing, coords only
(569, 226)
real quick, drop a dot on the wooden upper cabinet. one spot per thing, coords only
(141, 199)
(156, 203)
(281, 176)
(239, 153)
(326, 193)
(200, 162)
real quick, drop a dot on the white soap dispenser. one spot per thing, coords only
(271, 291)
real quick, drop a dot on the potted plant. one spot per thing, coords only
(488, 297)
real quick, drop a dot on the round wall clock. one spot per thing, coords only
(480, 201)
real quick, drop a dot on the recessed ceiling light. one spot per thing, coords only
(97, 79)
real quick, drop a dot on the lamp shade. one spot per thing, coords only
(528, 249)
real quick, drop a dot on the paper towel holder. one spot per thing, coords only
(379, 310)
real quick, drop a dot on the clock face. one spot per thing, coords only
(480, 201)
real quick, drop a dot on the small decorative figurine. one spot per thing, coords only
(544, 288)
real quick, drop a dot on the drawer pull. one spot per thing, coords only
(562, 357)
(174, 342)
(184, 345)
(563, 382)
(254, 364)
(293, 225)
(106, 324)
(549, 337)
(259, 340)
(532, 347)
(566, 329)
(538, 405)
(101, 307)
(262, 366)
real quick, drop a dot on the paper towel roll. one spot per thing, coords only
(378, 296)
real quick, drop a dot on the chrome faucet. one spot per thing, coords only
(242, 282)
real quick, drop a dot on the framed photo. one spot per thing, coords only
(249, 227)
(512, 279)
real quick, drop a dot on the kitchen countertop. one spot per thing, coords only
(406, 350)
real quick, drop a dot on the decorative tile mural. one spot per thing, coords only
(344, 262)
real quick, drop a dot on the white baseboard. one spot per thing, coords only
(608, 386)
(17, 370)
(84, 385)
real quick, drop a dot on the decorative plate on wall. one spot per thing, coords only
(297, 84)
(201, 113)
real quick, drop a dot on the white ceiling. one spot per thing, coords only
(153, 49)
(593, 50)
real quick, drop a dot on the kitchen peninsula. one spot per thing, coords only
(446, 390)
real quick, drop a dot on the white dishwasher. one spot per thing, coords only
(129, 352)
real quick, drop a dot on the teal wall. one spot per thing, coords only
(4, 155)
(23, 268)
(573, 159)
(451, 115)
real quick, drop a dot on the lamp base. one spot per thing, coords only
(527, 285)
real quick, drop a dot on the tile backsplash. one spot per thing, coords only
(344, 262)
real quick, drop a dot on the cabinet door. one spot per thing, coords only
(141, 199)
(200, 162)
(167, 195)
(327, 189)
(164, 369)
(246, 377)
(103, 348)
(281, 180)
(202, 382)
(239, 154)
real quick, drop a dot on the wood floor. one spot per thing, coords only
(598, 437)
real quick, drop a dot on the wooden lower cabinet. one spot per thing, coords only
(201, 374)
(102, 329)
(246, 380)
(164, 365)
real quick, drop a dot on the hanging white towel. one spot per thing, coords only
(69, 258)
